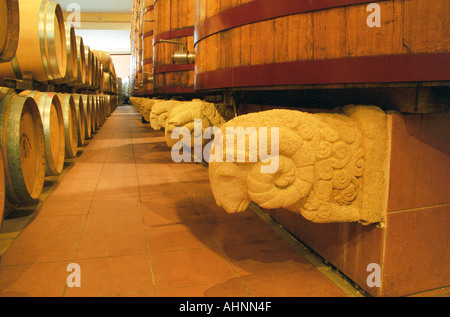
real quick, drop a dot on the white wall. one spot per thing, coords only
(112, 41)
(122, 65)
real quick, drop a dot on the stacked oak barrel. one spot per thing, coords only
(55, 93)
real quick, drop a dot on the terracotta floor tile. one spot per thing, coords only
(158, 217)
(265, 258)
(310, 283)
(155, 170)
(189, 235)
(83, 171)
(114, 187)
(114, 222)
(190, 267)
(49, 227)
(118, 170)
(41, 249)
(92, 156)
(105, 244)
(76, 189)
(242, 232)
(230, 288)
(121, 204)
(34, 280)
(64, 208)
(164, 202)
(113, 276)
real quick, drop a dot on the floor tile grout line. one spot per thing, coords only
(90, 205)
(143, 220)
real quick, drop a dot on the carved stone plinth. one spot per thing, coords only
(184, 115)
(160, 113)
(330, 167)
(146, 107)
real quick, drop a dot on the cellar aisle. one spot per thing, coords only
(139, 224)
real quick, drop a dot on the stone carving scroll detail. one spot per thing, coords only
(331, 166)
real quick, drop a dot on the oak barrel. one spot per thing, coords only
(174, 21)
(41, 51)
(53, 125)
(87, 116)
(104, 59)
(89, 61)
(81, 63)
(9, 29)
(70, 124)
(81, 123)
(72, 56)
(292, 44)
(22, 143)
(94, 126)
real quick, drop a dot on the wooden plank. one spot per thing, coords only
(262, 43)
(329, 33)
(245, 45)
(362, 40)
(426, 26)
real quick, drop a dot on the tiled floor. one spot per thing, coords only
(138, 224)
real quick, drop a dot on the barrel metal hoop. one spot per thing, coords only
(173, 68)
(42, 37)
(355, 70)
(16, 68)
(188, 31)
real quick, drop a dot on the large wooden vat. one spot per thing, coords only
(22, 143)
(41, 50)
(304, 44)
(147, 22)
(70, 124)
(81, 123)
(87, 116)
(53, 124)
(9, 29)
(174, 21)
(139, 49)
